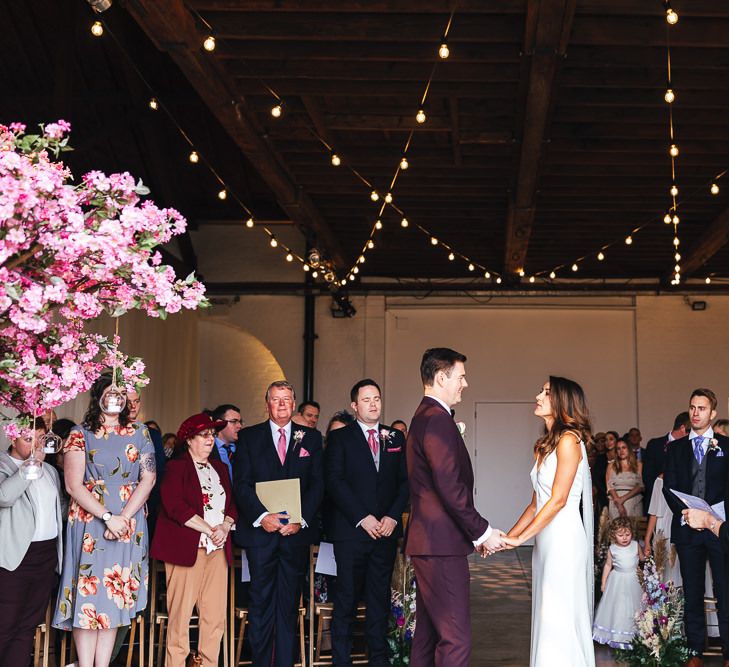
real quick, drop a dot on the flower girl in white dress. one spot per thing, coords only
(622, 594)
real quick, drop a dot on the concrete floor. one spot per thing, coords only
(501, 613)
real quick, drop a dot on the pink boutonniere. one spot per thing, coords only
(386, 436)
(303, 452)
(298, 436)
(714, 447)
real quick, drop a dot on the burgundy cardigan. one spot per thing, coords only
(181, 499)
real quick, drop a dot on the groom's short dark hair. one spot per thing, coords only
(438, 359)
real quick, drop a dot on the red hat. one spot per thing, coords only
(197, 424)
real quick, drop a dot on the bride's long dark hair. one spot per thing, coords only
(570, 413)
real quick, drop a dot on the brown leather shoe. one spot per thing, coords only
(697, 661)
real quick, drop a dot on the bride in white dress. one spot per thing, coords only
(562, 570)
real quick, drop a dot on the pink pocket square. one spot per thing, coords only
(394, 449)
(303, 452)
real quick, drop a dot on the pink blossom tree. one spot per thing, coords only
(69, 253)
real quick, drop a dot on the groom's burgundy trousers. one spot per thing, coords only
(443, 630)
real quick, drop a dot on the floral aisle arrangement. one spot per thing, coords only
(659, 640)
(402, 618)
(69, 253)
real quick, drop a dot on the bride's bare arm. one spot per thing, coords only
(568, 459)
(525, 519)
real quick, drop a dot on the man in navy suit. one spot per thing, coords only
(366, 481)
(654, 456)
(697, 464)
(444, 526)
(277, 550)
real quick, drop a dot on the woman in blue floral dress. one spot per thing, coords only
(110, 470)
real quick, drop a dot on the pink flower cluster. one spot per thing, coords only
(69, 253)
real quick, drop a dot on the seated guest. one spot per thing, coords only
(309, 412)
(624, 483)
(226, 440)
(197, 513)
(31, 534)
(400, 425)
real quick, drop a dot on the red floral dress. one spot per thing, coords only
(104, 582)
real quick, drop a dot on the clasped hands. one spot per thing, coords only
(497, 541)
(120, 527)
(271, 523)
(377, 529)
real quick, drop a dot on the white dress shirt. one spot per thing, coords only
(487, 534)
(707, 435)
(365, 430)
(43, 495)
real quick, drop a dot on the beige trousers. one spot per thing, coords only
(205, 586)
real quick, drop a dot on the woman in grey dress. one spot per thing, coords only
(110, 470)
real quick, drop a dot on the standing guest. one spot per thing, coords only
(226, 440)
(169, 440)
(277, 549)
(400, 425)
(31, 534)
(658, 530)
(153, 426)
(611, 441)
(721, 426)
(654, 457)
(624, 483)
(192, 538)
(598, 470)
(697, 464)
(634, 438)
(110, 472)
(444, 526)
(309, 412)
(366, 481)
(339, 420)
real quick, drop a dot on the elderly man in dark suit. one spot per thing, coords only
(444, 526)
(698, 464)
(367, 487)
(277, 550)
(654, 456)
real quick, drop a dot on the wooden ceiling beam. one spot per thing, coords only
(714, 237)
(171, 26)
(548, 27)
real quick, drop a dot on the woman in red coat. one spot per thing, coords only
(196, 515)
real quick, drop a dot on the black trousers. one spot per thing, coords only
(364, 572)
(277, 572)
(24, 596)
(693, 558)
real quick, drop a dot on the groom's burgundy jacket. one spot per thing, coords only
(443, 520)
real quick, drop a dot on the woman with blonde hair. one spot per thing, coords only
(625, 483)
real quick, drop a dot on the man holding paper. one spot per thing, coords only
(277, 455)
(697, 464)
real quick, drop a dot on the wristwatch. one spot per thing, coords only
(106, 516)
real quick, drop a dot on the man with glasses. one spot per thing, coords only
(277, 549)
(227, 439)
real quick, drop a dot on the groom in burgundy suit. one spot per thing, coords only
(444, 527)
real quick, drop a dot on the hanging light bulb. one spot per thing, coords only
(361, 259)
(677, 268)
(209, 43)
(714, 189)
(374, 196)
(674, 190)
(314, 274)
(153, 104)
(336, 160)
(289, 258)
(404, 163)
(343, 282)
(433, 240)
(600, 256)
(277, 110)
(670, 96)
(223, 195)
(388, 198)
(378, 224)
(552, 275)
(673, 150)
(677, 257)
(250, 223)
(498, 280)
(628, 240)
(194, 157)
(420, 116)
(306, 268)
(487, 275)
(667, 218)
(708, 280)
(575, 267)
(671, 16)
(676, 242)
(532, 279)
(370, 244)
(675, 219)
(521, 273)
(451, 257)
(97, 29)
(274, 242)
(404, 222)
(443, 50)
(471, 267)
(355, 269)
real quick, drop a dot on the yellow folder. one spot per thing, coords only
(281, 495)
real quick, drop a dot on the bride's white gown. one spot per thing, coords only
(562, 574)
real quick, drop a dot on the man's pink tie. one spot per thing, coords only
(373, 441)
(282, 445)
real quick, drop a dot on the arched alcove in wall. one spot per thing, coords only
(235, 367)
